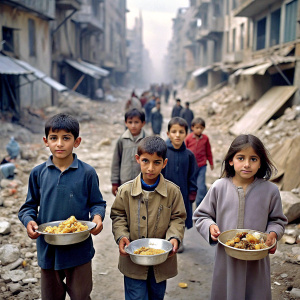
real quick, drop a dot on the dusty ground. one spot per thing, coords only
(196, 262)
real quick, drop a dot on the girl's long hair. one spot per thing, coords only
(243, 141)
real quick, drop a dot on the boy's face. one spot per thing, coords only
(151, 166)
(177, 135)
(61, 144)
(134, 125)
(198, 129)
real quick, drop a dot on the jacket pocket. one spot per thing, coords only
(162, 221)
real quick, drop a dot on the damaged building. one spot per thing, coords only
(252, 44)
(49, 47)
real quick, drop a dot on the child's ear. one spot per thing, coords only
(144, 123)
(137, 157)
(77, 142)
(45, 142)
(165, 163)
(231, 163)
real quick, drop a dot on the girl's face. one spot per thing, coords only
(246, 164)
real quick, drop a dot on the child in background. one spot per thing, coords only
(156, 119)
(148, 207)
(63, 186)
(199, 144)
(124, 166)
(242, 198)
(187, 114)
(182, 166)
(176, 109)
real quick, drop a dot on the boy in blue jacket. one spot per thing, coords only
(59, 188)
(182, 166)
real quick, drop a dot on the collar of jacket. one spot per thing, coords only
(127, 135)
(137, 190)
(170, 146)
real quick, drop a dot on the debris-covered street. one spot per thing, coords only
(101, 124)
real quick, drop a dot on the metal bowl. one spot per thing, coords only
(149, 260)
(65, 238)
(243, 254)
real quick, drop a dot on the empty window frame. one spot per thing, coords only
(31, 37)
(261, 34)
(275, 27)
(233, 39)
(290, 25)
(242, 36)
(8, 37)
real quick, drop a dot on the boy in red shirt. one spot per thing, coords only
(199, 144)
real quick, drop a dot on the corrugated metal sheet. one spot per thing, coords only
(200, 71)
(9, 67)
(259, 70)
(40, 75)
(87, 68)
(263, 109)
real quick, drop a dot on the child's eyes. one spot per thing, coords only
(144, 160)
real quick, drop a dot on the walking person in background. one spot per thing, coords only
(242, 198)
(152, 207)
(182, 166)
(167, 93)
(156, 119)
(187, 114)
(62, 187)
(176, 108)
(124, 166)
(148, 107)
(199, 144)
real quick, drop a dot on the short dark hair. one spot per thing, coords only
(62, 121)
(134, 112)
(243, 141)
(153, 144)
(187, 103)
(180, 122)
(198, 121)
(178, 100)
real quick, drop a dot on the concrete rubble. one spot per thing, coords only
(20, 273)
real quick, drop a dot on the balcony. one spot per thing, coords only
(211, 31)
(234, 57)
(68, 4)
(89, 22)
(250, 8)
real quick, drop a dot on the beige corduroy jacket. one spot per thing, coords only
(159, 214)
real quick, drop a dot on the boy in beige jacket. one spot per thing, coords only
(148, 206)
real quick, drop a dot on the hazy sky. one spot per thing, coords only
(157, 20)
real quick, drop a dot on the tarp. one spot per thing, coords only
(263, 109)
(88, 68)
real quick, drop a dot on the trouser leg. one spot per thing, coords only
(202, 190)
(156, 290)
(52, 285)
(135, 289)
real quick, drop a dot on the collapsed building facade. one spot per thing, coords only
(253, 43)
(48, 47)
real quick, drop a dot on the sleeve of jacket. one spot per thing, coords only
(116, 162)
(29, 210)
(209, 153)
(119, 217)
(177, 220)
(192, 175)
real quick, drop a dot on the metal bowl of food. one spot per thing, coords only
(65, 238)
(244, 254)
(153, 243)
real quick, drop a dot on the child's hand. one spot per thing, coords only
(192, 196)
(123, 242)
(31, 230)
(98, 220)
(174, 242)
(211, 167)
(271, 239)
(214, 232)
(114, 189)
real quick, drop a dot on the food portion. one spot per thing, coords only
(148, 251)
(247, 241)
(71, 225)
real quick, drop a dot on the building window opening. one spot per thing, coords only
(261, 34)
(290, 21)
(31, 37)
(8, 37)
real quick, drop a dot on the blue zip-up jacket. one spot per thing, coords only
(182, 169)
